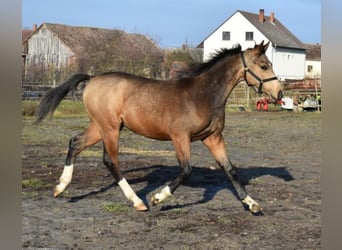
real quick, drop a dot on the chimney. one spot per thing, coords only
(272, 17)
(34, 27)
(261, 15)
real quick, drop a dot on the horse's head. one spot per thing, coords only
(258, 72)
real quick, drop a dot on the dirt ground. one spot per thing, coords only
(277, 155)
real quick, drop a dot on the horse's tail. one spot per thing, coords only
(53, 97)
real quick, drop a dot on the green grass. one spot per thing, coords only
(28, 108)
(115, 207)
(32, 183)
(29, 195)
(65, 108)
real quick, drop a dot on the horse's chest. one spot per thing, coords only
(214, 125)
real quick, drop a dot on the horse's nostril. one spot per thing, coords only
(280, 95)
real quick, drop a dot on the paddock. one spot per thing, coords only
(277, 155)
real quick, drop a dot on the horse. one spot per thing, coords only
(182, 110)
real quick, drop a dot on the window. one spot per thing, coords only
(226, 35)
(310, 68)
(249, 36)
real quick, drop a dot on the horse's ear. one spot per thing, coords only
(263, 47)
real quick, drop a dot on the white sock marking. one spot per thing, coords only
(129, 192)
(164, 193)
(65, 179)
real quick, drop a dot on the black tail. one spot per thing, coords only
(53, 97)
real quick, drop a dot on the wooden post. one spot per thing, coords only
(248, 98)
(318, 107)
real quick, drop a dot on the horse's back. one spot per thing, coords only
(148, 107)
(132, 100)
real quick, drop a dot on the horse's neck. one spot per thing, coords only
(221, 81)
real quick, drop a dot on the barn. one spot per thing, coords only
(58, 49)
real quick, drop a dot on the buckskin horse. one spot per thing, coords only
(183, 110)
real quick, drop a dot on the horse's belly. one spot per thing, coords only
(147, 127)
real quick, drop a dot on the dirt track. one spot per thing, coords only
(278, 157)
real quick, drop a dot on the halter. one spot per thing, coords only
(261, 81)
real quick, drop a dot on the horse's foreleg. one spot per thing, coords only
(110, 159)
(76, 145)
(182, 148)
(217, 147)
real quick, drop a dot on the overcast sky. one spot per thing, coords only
(172, 23)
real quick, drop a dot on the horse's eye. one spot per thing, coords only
(264, 67)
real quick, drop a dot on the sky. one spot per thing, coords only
(172, 23)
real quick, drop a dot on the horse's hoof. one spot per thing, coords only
(141, 207)
(256, 209)
(56, 192)
(155, 200)
(252, 205)
(160, 197)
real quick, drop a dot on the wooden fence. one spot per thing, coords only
(241, 97)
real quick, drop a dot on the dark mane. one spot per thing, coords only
(197, 69)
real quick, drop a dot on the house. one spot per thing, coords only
(287, 52)
(56, 48)
(313, 61)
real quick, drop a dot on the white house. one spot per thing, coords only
(287, 52)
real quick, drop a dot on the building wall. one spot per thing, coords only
(44, 48)
(288, 63)
(315, 69)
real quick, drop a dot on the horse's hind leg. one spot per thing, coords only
(216, 145)
(110, 159)
(76, 145)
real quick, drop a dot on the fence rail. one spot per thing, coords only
(35, 91)
(241, 97)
